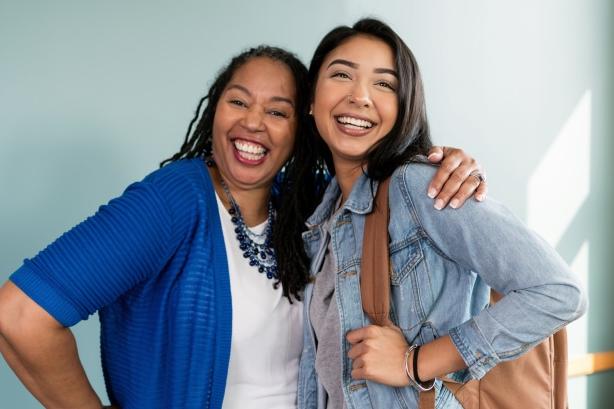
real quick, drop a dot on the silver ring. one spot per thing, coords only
(478, 175)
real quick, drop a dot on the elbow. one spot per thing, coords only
(10, 312)
(21, 319)
(581, 302)
(5, 311)
(573, 302)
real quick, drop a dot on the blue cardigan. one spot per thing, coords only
(153, 263)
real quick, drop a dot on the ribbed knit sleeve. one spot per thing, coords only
(88, 267)
(153, 263)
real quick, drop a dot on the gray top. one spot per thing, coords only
(325, 321)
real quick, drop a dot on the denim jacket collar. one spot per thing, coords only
(360, 200)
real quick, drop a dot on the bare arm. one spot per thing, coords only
(42, 353)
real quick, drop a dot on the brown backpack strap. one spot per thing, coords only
(375, 270)
(375, 264)
(427, 400)
(560, 369)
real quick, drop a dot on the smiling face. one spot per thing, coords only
(355, 101)
(255, 123)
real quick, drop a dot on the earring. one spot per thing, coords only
(310, 111)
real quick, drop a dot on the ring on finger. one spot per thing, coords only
(478, 175)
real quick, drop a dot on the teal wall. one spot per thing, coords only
(94, 94)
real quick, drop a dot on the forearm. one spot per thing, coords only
(17, 366)
(437, 359)
(378, 354)
(49, 367)
(42, 353)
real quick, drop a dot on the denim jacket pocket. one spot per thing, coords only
(404, 256)
(410, 286)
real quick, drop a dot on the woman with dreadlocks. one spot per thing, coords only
(196, 271)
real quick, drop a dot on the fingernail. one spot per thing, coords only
(432, 192)
(479, 197)
(435, 157)
(438, 204)
(454, 203)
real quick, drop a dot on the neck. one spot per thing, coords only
(254, 203)
(347, 173)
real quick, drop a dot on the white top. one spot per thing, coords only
(266, 333)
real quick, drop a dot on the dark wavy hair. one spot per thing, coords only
(298, 186)
(410, 134)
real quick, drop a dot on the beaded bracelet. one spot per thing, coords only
(419, 385)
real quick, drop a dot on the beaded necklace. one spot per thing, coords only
(257, 248)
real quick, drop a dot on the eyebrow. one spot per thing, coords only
(274, 98)
(343, 62)
(354, 65)
(386, 71)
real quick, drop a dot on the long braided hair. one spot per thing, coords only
(298, 186)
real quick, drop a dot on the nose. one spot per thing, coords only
(253, 119)
(360, 95)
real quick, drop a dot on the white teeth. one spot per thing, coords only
(348, 120)
(249, 147)
(249, 150)
(249, 156)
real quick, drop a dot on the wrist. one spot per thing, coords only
(411, 370)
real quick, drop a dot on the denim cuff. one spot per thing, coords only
(475, 350)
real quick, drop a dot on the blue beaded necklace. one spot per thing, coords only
(257, 248)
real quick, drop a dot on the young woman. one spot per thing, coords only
(181, 266)
(368, 107)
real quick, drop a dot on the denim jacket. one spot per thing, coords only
(443, 264)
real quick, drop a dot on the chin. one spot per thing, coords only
(352, 155)
(253, 180)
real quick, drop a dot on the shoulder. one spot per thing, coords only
(181, 171)
(181, 181)
(181, 190)
(411, 180)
